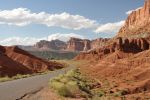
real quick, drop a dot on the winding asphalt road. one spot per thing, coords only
(14, 90)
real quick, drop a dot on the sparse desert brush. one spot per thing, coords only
(20, 76)
(121, 93)
(70, 84)
(6, 78)
(66, 89)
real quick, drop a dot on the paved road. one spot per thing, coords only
(14, 90)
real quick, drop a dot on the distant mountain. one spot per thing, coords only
(75, 44)
(57, 49)
(50, 45)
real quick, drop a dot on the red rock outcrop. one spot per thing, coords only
(121, 44)
(138, 22)
(51, 45)
(14, 60)
(125, 60)
(100, 42)
(10, 67)
(75, 44)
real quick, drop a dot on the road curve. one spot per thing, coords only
(14, 90)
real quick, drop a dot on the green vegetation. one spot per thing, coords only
(19, 76)
(73, 84)
(54, 55)
(120, 93)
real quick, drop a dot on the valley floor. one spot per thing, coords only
(21, 87)
(109, 88)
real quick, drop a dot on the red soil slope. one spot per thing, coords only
(14, 60)
(125, 60)
(129, 71)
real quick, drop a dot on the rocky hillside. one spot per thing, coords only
(125, 60)
(14, 60)
(122, 44)
(138, 22)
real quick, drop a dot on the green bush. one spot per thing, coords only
(64, 91)
(70, 84)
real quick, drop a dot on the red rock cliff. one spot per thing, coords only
(120, 44)
(75, 44)
(50, 45)
(138, 22)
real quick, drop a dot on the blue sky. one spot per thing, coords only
(101, 12)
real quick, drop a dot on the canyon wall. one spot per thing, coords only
(52, 45)
(75, 44)
(120, 44)
(138, 22)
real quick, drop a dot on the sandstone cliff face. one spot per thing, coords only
(97, 43)
(121, 44)
(17, 61)
(51, 45)
(75, 44)
(137, 23)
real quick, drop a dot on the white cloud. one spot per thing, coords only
(31, 41)
(109, 27)
(130, 11)
(23, 16)
(20, 41)
(64, 37)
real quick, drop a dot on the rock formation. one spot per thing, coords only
(100, 42)
(14, 60)
(120, 44)
(125, 60)
(138, 22)
(51, 45)
(75, 44)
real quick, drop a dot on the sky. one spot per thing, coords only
(25, 22)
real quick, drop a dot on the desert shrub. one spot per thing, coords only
(3, 79)
(121, 93)
(70, 84)
(64, 91)
(19, 76)
(101, 93)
